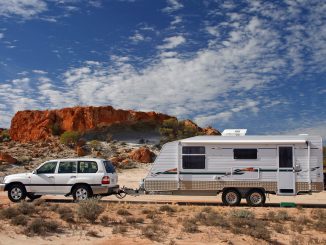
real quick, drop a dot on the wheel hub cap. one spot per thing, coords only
(255, 198)
(231, 197)
(81, 194)
(16, 193)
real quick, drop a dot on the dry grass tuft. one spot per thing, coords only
(41, 227)
(167, 208)
(89, 210)
(66, 214)
(19, 220)
(123, 212)
(190, 225)
(154, 232)
(119, 229)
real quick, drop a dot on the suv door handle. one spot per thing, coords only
(50, 177)
(72, 177)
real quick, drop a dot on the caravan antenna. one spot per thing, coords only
(234, 132)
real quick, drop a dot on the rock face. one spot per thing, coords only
(29, 125)
(6, 158)
(142, 154)
(211, 131)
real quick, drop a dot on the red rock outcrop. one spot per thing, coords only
(142, 154)
(6, 158)
(41, 125)
(211, 131)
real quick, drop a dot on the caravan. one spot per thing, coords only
(238, 167)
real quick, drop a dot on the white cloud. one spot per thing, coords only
(1, 35)
(173, 5)
(213, 30)
(172, 42)
(40, 72)
(26, 9)
(177, 20)
(137, 37)
(316, 128)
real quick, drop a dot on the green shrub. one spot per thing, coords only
(55, 129)
(89, 210)
(69, 138)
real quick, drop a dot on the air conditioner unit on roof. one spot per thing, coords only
(234, 132)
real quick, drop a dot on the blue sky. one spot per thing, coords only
(259, 65)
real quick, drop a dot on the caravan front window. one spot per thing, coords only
(193, 157)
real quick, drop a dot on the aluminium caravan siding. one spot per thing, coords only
(222, 171)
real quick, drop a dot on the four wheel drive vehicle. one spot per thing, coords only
(80, 177)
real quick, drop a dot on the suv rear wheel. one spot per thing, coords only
(82, 192)
(16, 192)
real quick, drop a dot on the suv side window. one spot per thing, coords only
(67, 167)
(87, 167)
(109, 167)
(47, 168)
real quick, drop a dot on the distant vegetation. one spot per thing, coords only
(172, 129)
(4, 136)
(69, 138)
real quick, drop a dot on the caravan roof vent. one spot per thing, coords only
(234, 132)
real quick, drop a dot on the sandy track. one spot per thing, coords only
(131, 178)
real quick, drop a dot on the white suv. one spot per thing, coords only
(80, 177)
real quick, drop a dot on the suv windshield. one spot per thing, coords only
(109, 167)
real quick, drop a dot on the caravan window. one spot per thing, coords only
(193, 157)
(245, 153)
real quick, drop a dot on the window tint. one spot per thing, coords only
(193, 162)
(285, 157)
(193, 150)
(245, 153)
(67, 167)
(87, 167)
(109, 167)
(47, 168)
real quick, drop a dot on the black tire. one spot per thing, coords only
(256, 198)
(16, 192)
(231, 197)
(32, 197)
(82, 192)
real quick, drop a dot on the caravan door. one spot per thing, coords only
(286, 173)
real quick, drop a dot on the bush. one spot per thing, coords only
(153, 232)
(93, 233)
(123, 212)
(241, 213)
(119, 229)
(190, 225)
(167, 208)
(282, 215)
(9, 212)
(66, 214)
(41, 227)
(19, 220)
(212, 219)
(89, 209)
(27, 208)
(69, 138)
(106, 221)
(55, 129)
(132, 220)
(95, 145)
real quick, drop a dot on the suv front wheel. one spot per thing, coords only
(16, 192)
(82, 192)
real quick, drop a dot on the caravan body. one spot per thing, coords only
(207, 165)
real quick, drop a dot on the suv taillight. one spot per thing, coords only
(106, 180)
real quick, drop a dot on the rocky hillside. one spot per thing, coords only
(98, 123)
(29, 125)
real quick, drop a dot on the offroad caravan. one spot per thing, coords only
(238, 167)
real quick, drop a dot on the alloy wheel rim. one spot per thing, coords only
(256, 198)
(16, 193)
(81, 194)
(231, 197)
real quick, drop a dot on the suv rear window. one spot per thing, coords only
(87, 167)
(109, 167)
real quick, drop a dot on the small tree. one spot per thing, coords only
(55, 129)
(69, 138)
